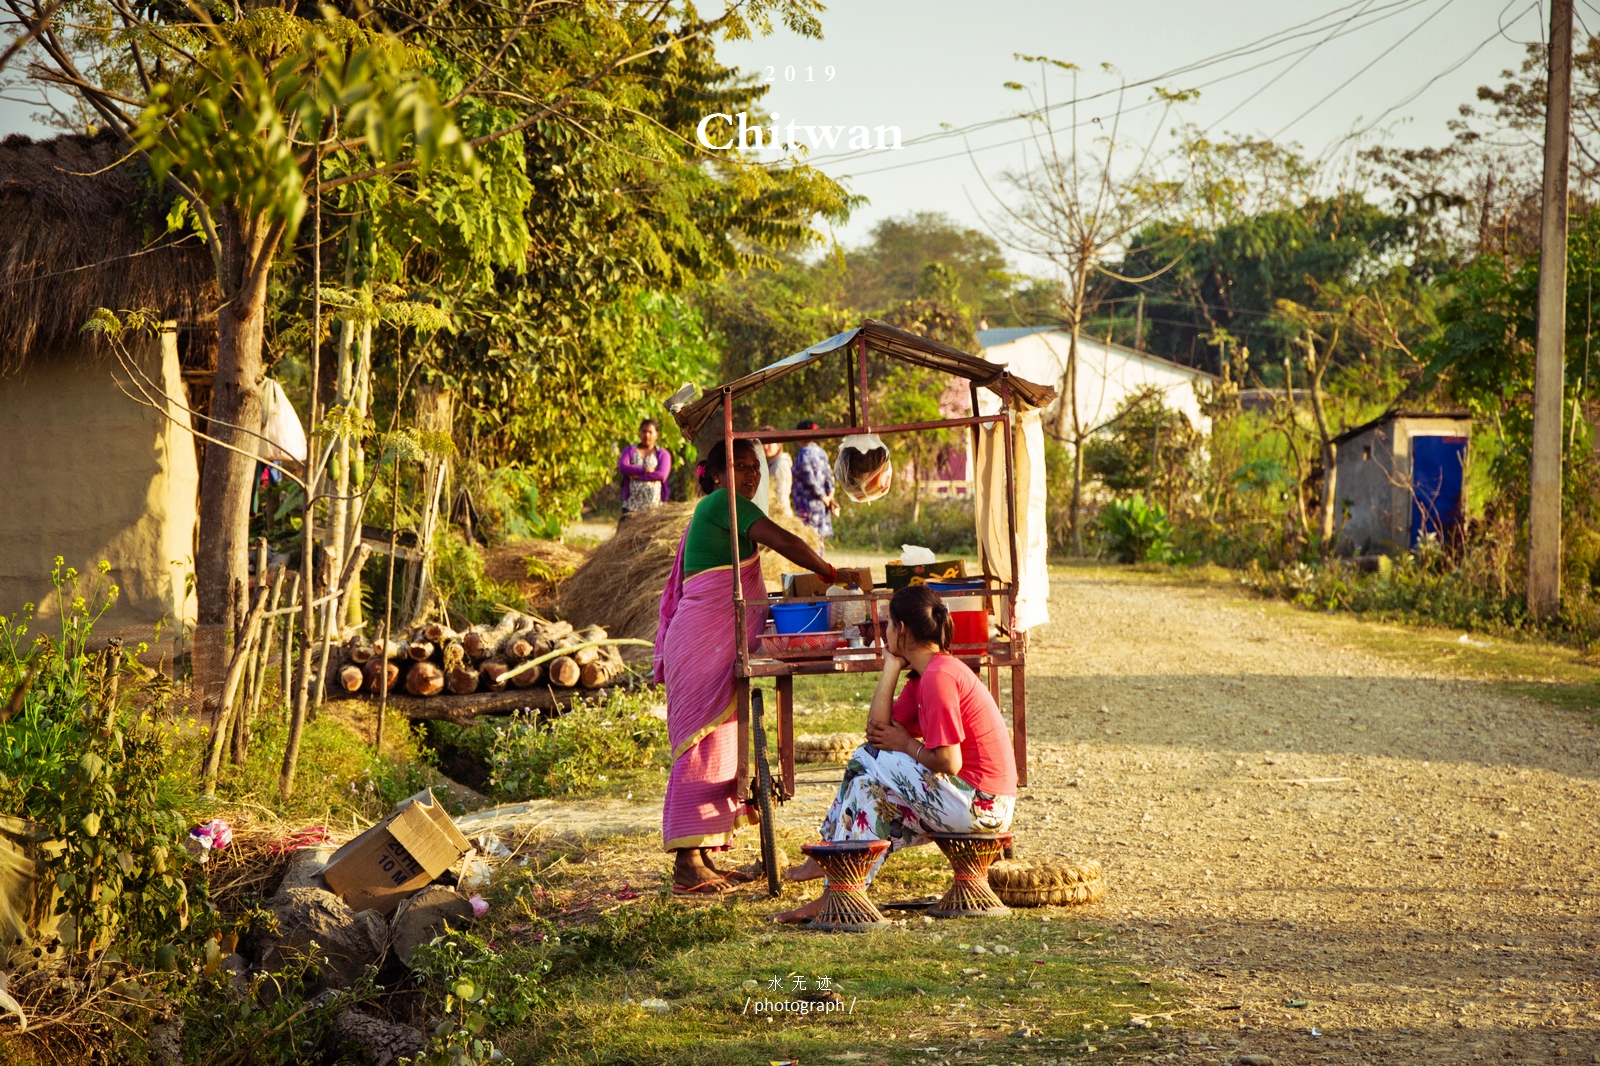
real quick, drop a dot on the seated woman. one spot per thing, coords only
(694, 658)
(937, 759)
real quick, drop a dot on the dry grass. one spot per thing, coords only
(620, 586)
(538, 568)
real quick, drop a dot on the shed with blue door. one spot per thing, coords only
(1400, 477)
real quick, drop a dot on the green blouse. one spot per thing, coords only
(707, 546)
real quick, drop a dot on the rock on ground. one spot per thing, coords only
(383, 1042)
(421, 917)
(347, 942)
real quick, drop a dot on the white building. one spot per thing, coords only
(1107, 373)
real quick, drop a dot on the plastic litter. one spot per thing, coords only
(862, 470)
(211, 836)
(916, 555)
(11, 1006)
(475, 875)
(660, 1006)
(286, 438)
(480, 906)
(491, 845)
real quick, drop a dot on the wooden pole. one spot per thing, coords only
(230, 688)
(297, 717)
(286, 672)
(241, 748)
(1544, 503)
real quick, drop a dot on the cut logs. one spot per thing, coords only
(424, 679)
(564, 672)
(601, 672)
(375, 670)
(520, 651)
(351, 677)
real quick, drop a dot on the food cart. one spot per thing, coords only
(993, 438)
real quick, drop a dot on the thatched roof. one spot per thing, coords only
(81, 230)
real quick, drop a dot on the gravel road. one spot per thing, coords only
(1342, 859)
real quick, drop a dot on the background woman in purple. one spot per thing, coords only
(645, 468)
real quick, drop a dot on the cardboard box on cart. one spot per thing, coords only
(397, 857)
(811, 585)
(898, 575)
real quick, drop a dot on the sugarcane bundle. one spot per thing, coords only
(1057, 883)
(826, 747)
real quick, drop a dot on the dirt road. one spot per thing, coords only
(1343, 859)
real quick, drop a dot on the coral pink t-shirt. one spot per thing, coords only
(947, 705)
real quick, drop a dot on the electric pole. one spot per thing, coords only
(1549, 373)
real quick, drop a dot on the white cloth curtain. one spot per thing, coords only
(989, 503)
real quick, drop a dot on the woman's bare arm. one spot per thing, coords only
(769, 534)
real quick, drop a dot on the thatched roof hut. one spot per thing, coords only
(83, 226)
(92, 474)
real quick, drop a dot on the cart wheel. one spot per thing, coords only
(763, 796)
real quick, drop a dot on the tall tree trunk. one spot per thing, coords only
(221, 557)
(1070, 399)
(1315, 368)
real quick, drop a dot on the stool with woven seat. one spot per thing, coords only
(970, 855)
(845, 906)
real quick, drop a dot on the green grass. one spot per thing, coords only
(1067, 987)
(339, 776)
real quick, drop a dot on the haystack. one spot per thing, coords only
(619, 588)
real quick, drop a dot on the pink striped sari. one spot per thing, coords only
(694, 657)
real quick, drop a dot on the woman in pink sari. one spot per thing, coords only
(694, 658)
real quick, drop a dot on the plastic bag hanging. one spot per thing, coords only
(863, 470)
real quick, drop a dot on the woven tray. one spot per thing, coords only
(826, 747)
(1053, 884)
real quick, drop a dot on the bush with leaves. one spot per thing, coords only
(1137, 532)
(572, 753)
(477, 989)
(80, 761)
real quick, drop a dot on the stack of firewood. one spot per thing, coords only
(521, 651)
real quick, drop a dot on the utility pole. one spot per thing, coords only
(1544, 504)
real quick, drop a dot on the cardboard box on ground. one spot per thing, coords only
(397, 857)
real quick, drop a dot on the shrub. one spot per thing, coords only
(573, 752)
(1136, 532)
(81, 761)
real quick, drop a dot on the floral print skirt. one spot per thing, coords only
(888, 795)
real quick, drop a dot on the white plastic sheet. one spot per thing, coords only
(286, 438)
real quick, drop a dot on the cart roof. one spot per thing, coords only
(886, 340)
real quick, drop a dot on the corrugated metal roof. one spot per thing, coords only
(993, 338)
(880, 337)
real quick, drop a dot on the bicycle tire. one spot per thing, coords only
(763, 795)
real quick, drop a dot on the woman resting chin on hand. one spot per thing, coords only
(937, 760)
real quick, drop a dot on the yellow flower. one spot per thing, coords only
(105, 566)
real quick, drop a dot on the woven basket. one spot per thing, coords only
(826, 747)
(1057, 884)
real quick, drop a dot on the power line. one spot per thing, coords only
(1381, 55)
(1343, 28)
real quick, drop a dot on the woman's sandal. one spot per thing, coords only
(715, 887)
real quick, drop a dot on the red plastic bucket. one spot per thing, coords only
(971, 627)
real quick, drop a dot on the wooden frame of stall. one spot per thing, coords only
(986, 659)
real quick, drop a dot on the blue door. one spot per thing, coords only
(1437, 465)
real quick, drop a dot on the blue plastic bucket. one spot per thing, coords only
(800, 617)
